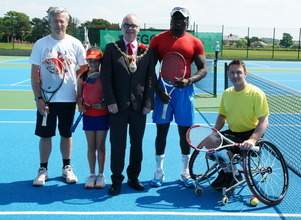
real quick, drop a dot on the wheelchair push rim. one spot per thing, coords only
(266, 173)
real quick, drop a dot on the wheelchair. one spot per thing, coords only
(265, 172)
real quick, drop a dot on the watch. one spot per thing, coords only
(37, 98)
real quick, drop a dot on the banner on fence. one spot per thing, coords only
(144, 36)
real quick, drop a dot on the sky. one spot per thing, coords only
(208, 15)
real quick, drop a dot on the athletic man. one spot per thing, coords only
(181, 105)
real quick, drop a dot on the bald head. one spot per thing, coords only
(131, 17)
(130, 27)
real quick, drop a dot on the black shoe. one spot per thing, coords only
(220, 180)
(230, 181)
(136, 184)
(115, 189)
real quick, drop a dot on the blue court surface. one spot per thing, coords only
(58, 200)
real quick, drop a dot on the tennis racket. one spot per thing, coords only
(208, 139)
(92, 94)
(173, 68)
(52, 75)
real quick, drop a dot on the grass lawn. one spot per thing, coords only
(240, 53)
(266, 54)
(15, 46)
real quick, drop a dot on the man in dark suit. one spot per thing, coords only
(128, 80)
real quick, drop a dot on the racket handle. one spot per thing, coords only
(76, 122)
(44, 122)
(163, 116)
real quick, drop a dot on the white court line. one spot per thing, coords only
(148, 123)
(17, 122)
(256, 64)
(7, 61)
(248, 214)
(20, 82)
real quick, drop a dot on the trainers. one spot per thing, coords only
(41, 178)
(157, 181)
(68, 174)
(90, 182)
(100, 182)
(188, 181)
(230, 181)
(220, 180)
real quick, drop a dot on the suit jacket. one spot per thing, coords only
(123, 87)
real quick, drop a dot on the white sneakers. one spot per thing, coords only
(100, 182)
(97, 182)
(158, 179)
(186, 179)
(67, 174)
(41, 178)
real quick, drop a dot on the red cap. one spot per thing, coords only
(93, 54)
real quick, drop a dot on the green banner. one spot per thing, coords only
(144, 36)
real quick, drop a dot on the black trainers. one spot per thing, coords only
(220, 180)
(230, 181)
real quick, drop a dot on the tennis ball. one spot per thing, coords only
(254, 201)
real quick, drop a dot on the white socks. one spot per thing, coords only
(185, 160)
(159, 162)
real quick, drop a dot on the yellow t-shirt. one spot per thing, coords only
(243, 108)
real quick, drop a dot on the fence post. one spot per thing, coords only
(299, 44)
(273, 50)
(248, 42)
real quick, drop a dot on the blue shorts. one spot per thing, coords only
(181, 107)
(64, 112)
(96, 123)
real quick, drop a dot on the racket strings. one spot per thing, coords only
(92, 90)
(173, 67)
(203, 137)
(53, 66)
(51, 75)
(210, 142)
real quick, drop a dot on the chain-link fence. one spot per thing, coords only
(240, 42)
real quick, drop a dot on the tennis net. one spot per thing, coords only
(284, 128)
(207, 85)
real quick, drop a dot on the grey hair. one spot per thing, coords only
(57, 10)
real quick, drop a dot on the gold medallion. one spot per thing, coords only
(132, 67)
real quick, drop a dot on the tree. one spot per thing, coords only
(17, 24)
(242, 42)
(101, 24)
(287, 40)
(3, 30)
(40, 28)
(254, 41)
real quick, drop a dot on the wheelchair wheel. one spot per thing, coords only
(202, 166)
(266, 173)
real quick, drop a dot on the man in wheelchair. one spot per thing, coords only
(244, 107)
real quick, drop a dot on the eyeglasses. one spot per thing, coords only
(130, 26)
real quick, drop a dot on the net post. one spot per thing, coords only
(225, 75)
(215, 79)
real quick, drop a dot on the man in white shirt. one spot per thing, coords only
(62, 105)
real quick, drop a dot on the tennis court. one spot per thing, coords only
(58, 200)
